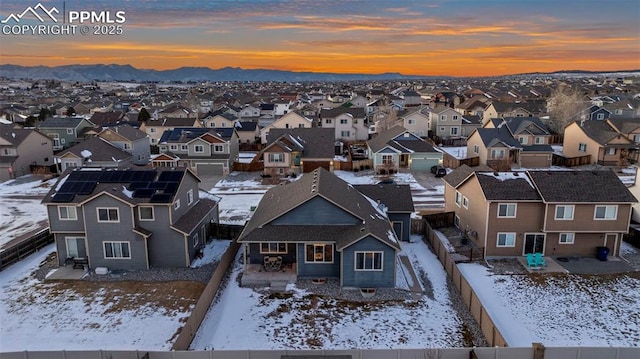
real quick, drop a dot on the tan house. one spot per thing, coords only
(497, 109)
(446, 122)
(298, 150)
(21, 148)
(495, 147)
(290, 120)
(348, 123)
(416, 122)
(602, 141)
(220, 121)
(533, 136)
(557, 213)
(155, 128)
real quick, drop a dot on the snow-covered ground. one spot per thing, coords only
(457, 152)
(304, 321)
(561, 310)
(76, 315)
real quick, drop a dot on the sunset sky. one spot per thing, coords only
(430, 37)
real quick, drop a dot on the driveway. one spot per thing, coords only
(427, 179)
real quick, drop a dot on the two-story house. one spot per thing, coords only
(445, 122)
(21, 148)
(416, 121)
(320, 227)
(550, 212)
(495, 146)
(65, 131)
(94, 152)
(607, 142)
(349, 123)
(533, 136)
(290, 120)
(221, 120)
(130, 140)
(129, 219)
(397, 147)
(298, 150)
(154, 128)
(498, 109)
(207, 151)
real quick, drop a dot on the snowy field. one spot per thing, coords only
(78, 315)
(561, 310)
(303, 320)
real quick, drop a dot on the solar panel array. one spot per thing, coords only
(142, 183)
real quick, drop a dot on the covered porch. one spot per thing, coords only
(260, 275)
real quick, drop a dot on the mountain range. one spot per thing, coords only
(85, 73)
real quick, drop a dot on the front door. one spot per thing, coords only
(404, 161)
(76, 247)
(533, 243)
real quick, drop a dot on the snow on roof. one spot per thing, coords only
(504, 176)
(127, 192)
(392, 236)
(86, 153)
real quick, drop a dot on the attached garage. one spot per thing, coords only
(535, 160)
(424, 163)
(209, 169)
(309, 166)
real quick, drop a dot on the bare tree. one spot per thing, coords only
(564, 103)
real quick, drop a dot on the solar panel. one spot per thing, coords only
(143, 193)
(176, 176)
(172, 187)
(165, 176)
(66, 187)
(138, 185)
(75, 187)
(126, 176)
(75, 175)
(87, 187)
(148, 175)
(62, 197)
(106, 177)
(161, 198)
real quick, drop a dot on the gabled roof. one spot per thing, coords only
(246, 126)
(187, 134)
(171, 122)
(104, 118)
(532, 125)
(280, 200)
(625, 125)
(393, 138)
(471, 120)
(96, 149)
(356, 112)
(457, 176)
(127, 132)
(15, 136)
(507, 186)
(61, 122)
(581, 186)
(190, 220)
(316, 142)
(397, 198)
(599, 131)
(493, 136)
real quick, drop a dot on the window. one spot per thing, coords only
(345, 133)
(328, 121)
(145, 213)
(582, 147)
(319, 253)
(411, 121)
(523, 140)
(443, 117)
(273, 248)
(606, 212)
(636, 138)
(344, 121)
(173, 147)
(456, 221)
(454, 117)
(108, 215)
(176, 205)
(566, 238)
(67, 213)
(184, 147)
(224, 124)
(539, 140)
(190, 196)
(454, 131)
(564, 212)
(387, 159)
(198, 148)
(465, 202)
(212, 124)
(196, 240)
(301, 125)
(458, 198)
(611, 151)
(69, 131)
(117, 250)
(476, 149)
(218, 148)
(276, 157)
(74, 244)
(441, 129)
(506, 239)
(127, 146)
(507, 210)
(600, 116)
(152, 130)
(369, 261)
(355, 121)
(70, 164)
(497, 154)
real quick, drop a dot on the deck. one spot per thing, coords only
(255, 275)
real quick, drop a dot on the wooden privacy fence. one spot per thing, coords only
(188, 332)
(226, 231)
(469, 297)
(559, 160)
(25, 247)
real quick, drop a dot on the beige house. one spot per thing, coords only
(20, 148)
(416, 122)
(220, 121)
(298, 150)
(557, 213)
(290, 120)
(155, 128)
(446, 122)
(499, 109)
(348, 123)
(601, 141)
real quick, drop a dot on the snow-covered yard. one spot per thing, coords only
(304, 320)
(561, 310)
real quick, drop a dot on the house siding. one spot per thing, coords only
(529, 219)
(318, 270)
(369, 279)
(318, 211)
(584, 244)
(583, 219)
(405, 219)
(255, 257)
(166, 246)
(473, 217)
(58, 225)
(61, 245)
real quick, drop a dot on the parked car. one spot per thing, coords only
(439, 171)
(386, 181)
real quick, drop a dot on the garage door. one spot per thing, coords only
(423, 164)
(209, 169)
(535, 161)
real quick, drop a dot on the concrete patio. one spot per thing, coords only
(257, 275)
(590, 265)
(66, 273)
(551, 267)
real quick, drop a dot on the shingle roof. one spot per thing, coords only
(455, 177)
(391, 137)
(581, 186)
(97, 150)
(61, 122)
(319, 183)
(356, 112)
(171, 122)
(128, 132)
(316, 142)
(397, 198)
(599, 131)
(532, 125)
(625, 125)
(14, 135)
(190, 220)
(492, 136)
(507, 186)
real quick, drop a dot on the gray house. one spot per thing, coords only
(130, 140)
(93, 152)
(398, 148)
(398, 203)
(21, 148)
(321, 227)
(65, 131)
(129, 219)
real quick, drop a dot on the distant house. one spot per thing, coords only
(130, 140)
(561, 213)
(248, 131)
(320, 227)
(290, 120)
(155, 128)
(207, 151)
(349, 123)
(220, 121)
(608, 144)
(416, 122)
(109, 118)
(469, 123)
(21, 148)
(129, 219)
(446, 122)
(397, 147)
(94, 152)
(497, 109)
(298, 150)
(65, 131)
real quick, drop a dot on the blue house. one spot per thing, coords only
(398, 203)
(319, 227)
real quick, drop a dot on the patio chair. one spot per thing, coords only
(539, 260)
(531, 261)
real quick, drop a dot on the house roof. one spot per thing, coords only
(471, 120)
(246, 126)
(96, 149)
(507, 186)
(501, 134)
(391, 137)
(599, 131)
(316, 142)
(397, 198)
(356, 112)
(457, 176)
(170, 122)
(187, 134)
(532, 125)
(127, 132)
(581, 186)
(104, 118)
(15, 136)
(61, 122)
(190, 220)
(537, 148)
(280, 200)
(625, 125)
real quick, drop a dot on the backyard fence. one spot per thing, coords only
(188, 332)
(22, 248)
(469, 297)
(559, 160)
(226, 231)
